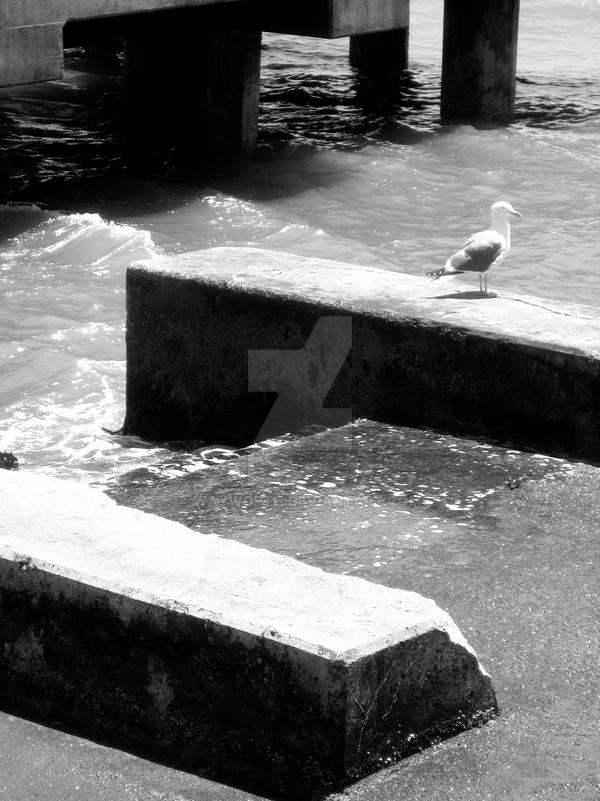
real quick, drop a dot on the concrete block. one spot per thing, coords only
(193, 79)
(31, 43)
(205, 330)
(215, 656)
(30, 54)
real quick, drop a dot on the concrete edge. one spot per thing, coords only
(396, 295)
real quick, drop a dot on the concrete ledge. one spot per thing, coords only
(408, 351)
(215, 656)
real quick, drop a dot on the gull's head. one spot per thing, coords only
(503, 210)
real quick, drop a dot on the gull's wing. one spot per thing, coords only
(479, 253)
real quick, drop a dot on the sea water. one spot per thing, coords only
(343, 171)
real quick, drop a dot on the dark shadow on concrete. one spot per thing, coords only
(468, 295)
(154, 754)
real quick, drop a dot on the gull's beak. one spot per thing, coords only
(514, 212)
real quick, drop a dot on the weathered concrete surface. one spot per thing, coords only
(213, 655)
(336, 18)
(29, 54)
(206, 328)
(506, 541)
(31, 33)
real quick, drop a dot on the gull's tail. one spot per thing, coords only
(435, 274)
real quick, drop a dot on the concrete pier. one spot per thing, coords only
(216, 336)
(31, 32)
(197, 62)
(29, 54)
(479, 60)
(215, 656)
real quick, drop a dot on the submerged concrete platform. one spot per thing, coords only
(215, 336)
(216, 656)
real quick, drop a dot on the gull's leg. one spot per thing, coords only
(480, 286)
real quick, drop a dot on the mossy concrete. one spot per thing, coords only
(210, 333)
(215, 656)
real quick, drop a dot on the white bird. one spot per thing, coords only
(482, 250)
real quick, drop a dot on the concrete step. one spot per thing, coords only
(216, 656)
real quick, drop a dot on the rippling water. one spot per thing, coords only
(343, 171)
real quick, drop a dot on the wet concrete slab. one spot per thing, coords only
(505, 540)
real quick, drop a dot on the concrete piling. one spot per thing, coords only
(479, 60)
(193, 79)
(386, 51)
(30, 54)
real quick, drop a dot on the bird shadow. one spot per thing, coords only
(469, 295)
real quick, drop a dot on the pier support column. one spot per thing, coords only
(31, 53)
(380, 52)
(479, 60)
(193, 81)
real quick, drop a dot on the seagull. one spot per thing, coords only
(482, 250)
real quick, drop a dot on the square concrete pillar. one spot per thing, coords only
(479, 60)
(386, 51)
(31, 53)
(193, 79)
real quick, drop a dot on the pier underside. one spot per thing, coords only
(193, 67)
